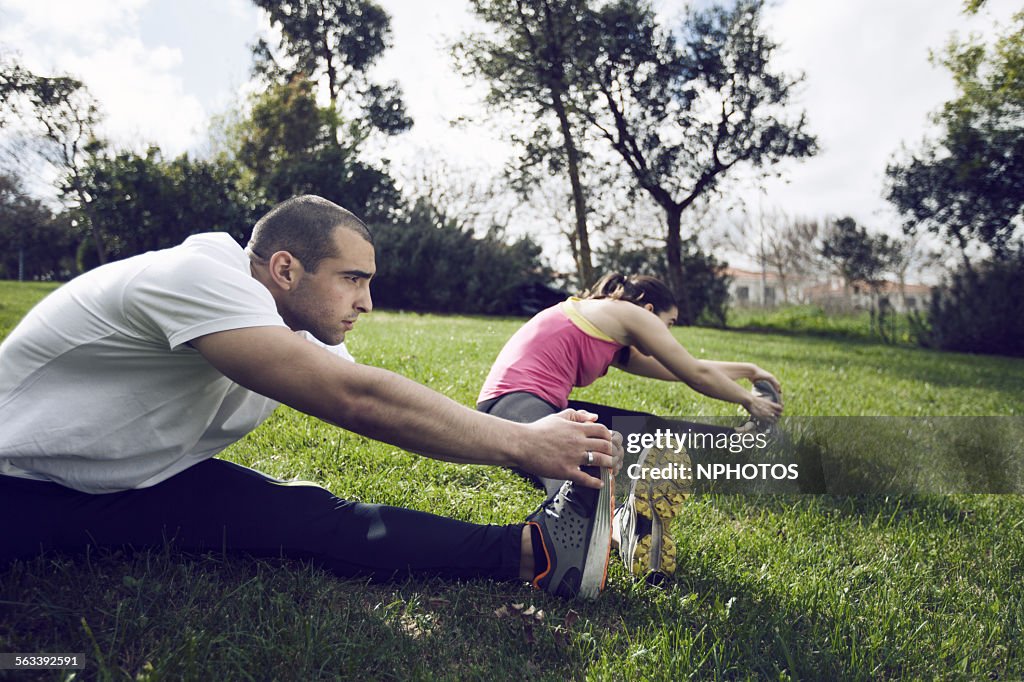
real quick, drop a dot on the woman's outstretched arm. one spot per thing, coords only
(668, 360)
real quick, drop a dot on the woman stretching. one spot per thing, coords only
(622, 322)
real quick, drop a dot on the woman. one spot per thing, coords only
(622, 322)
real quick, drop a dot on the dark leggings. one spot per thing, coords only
(524, 407)
(220, 506)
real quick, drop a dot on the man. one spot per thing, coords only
(118, 389)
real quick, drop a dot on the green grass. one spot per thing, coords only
(768, 587)
(812, 320)
(15, 300)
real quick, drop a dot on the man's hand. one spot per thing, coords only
(558, 445)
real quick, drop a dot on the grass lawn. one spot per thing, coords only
(812, 320)
(768, 587)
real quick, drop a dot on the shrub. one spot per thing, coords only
(428, 265)
(980, 311)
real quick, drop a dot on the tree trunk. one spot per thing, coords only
(674, 256)
(584, 263)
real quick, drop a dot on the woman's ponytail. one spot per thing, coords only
(636, 289)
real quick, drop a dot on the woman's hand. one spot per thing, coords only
(763, 408)
(759, 374)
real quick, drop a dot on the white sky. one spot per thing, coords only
(162, 68)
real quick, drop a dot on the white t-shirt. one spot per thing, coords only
(99, 390)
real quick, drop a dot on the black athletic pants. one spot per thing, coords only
(524, 407)
(220, 506)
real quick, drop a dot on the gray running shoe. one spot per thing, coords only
(762, 389)
(576, 530)
(645, 544)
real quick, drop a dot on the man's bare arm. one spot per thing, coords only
(374, 402)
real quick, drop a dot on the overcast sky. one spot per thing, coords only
(162, 68)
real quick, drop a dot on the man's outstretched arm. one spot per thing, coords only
(374, 402)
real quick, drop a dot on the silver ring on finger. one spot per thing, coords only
(590, 458)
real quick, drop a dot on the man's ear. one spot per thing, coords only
(285, 270)
(649, 307)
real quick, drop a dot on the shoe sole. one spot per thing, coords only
(659, 501)
(595, 568)
(766, 390)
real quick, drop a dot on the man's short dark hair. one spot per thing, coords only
(304, 227)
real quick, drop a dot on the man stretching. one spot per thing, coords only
(117, 391)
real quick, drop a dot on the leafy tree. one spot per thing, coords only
(65, 116)
(967, 186)
(287, 145)
(34, 243)
(857, 256)
(980, 310)
(464, 273)
(144, 202)
(20, 89)
(536, 63)
(338, 40)
(15, 82)
(684, 111)
(862, 260)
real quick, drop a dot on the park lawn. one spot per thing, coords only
(780, 587)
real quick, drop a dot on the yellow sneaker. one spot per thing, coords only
(663, 481)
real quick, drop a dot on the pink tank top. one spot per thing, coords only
(547, 357)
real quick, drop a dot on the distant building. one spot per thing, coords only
(833, 296)
(749, 288)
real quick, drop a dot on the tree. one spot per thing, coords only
(471, 200)
(683, 113)
(536, 63)
(15, 82)
(144, 202)
(20, 89)
(65, 116)
(338, 40)
(69, 116)
(467, 273)
(910, 254)
(287, 145)
(34, 243)
(967, 186)
(783, 245)
(857, 256)
(979, 311)
(862, 260)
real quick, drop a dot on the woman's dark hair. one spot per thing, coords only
(638, 289)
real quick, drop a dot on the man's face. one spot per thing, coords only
(327, 302)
